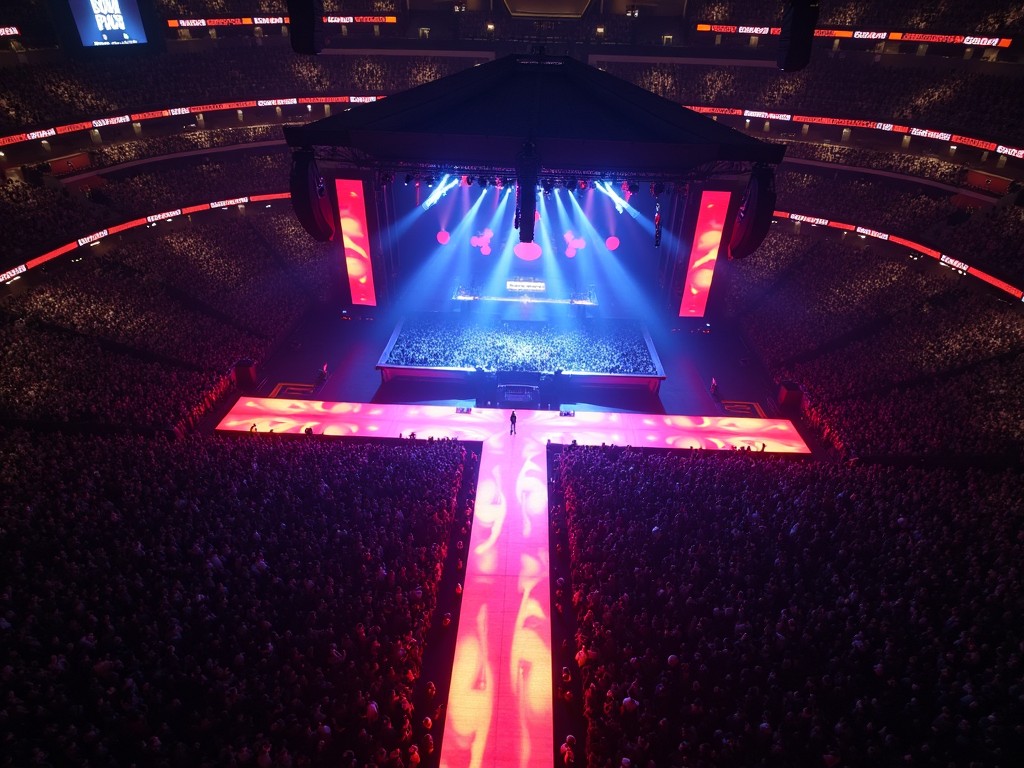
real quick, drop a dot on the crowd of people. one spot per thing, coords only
(983, 18)
(895, 357)
(738, 610)
(466, 21)
(919, 166)
(187, 141)
(180, 182)
(173, 9)
(37, 216)
(450, 341)
(988, 17)
(864, 200)
(42, 94)
(981, 233)
(265, 601)
(249, 601)
(937, 95)
(144, 331)
(54, 376)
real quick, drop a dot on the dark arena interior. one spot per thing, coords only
(397, 383)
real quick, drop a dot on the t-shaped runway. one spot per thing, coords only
(500, 702)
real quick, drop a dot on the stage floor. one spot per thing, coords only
(500, 702)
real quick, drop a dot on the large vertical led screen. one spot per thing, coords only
(108, 22)
(356, 239)
(707, 238)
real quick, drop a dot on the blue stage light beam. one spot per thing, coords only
(620, 204)
(447, 182)
(442, 267)
(497, 266)
(546, 235)
(619, 288)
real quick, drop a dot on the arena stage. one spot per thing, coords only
(500, 700)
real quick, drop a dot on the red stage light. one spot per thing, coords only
(443, 237)
(611, 243)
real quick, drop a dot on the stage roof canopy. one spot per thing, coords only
(579, 119)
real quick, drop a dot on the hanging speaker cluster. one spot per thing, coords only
(527, 173)
(310, 198)
(796, 35)
(306, 26)
(755, 214)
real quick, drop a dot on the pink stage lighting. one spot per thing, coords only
(707, 237)
(356, 237)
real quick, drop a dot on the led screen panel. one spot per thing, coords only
(356, 238)
(707, 237)
(108, 22)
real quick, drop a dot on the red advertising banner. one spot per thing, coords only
(916, 246)
(127, 225)
(979, 143)
(155, 113)
(844, 122)
(247, 21)
(715, 110)
(862, 34)
(995, 281)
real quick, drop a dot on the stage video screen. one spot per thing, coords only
(593, 245)
(108, 22)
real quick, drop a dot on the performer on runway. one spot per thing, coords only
(512, 423)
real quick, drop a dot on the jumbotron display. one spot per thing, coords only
(108, 22)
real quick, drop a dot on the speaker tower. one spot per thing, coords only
(310, 197)
(755, 214)
(306, 26)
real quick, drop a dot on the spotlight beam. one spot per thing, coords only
(447, 182)
(606, 187)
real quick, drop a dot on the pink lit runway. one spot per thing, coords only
(499, 709)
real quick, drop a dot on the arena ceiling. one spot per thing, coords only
(576, 119)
